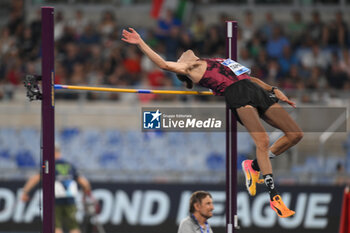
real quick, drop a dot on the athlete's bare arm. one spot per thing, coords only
(133, 37)
(279, 94)
(262, 84)
(189, 65)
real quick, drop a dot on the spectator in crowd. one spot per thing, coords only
(292, 80)
(214, 43)
(27, 46)
(315, 57)
(245, 57)
(7, 42)
(172, 43)
(108, 24)
(165, 24)
(336, 32)
(267, 27)
(336, 77)
(260, 67)
(35, 26)
(287, 60)
(79, 22)
(345, 61)
(72, 56)
(247, 28)
(186, 42)
(113, 60)
(296, 29)
(94, 66)
(315, 28)
(341, 178)
(273, 72)
(59, 27)
(223, 17)
(276, 43)
(78, 74)
(317, 79)
(90, 35)
(13, 75)
(255, 46)
(60, 73)
(150, 37)
(16, 20)
(200, 210)
(198, 31)
(67, 179)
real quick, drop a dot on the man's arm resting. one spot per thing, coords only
(85, 184)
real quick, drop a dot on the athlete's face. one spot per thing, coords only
(206, 207)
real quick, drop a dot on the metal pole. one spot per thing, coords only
(231, 140)
(47, 117)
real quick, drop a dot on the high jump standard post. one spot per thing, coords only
(48, 127)
(231, 140)
(48, 118)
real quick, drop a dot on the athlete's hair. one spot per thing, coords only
(184, 78)
(197, 197)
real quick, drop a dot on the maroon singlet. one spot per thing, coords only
(218, 77)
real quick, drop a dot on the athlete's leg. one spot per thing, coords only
(279, 118)
(250, 119)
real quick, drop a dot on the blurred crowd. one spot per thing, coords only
(294, 55)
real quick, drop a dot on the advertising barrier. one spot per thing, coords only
(159, 208)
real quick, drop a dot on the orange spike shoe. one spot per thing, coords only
(251, 177)
(280, 208)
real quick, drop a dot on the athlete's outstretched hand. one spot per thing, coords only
(131, 36)
(280, 95)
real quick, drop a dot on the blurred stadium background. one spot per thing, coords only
(301, 46)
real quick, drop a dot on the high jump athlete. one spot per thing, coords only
(249, 98)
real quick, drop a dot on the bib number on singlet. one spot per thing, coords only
(236, 68)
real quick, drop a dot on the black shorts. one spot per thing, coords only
(246, 92)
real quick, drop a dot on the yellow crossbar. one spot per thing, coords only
(139, 91)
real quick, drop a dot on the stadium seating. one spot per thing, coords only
(96, 150)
